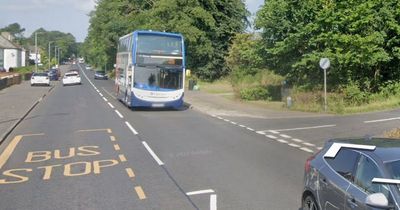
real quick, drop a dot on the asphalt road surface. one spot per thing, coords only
(80, 148)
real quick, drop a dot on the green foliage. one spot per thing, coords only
(360, 37)
(353, 95)
(255, 93)
(206, 25)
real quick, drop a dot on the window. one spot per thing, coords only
(366, 171)
(344, 163)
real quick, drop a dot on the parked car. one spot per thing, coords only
(345, 181)
(100, 75)
(53, 74)
(40, 79)
(71, 78)
(88, 67)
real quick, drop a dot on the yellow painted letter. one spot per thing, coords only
(57, 154)
(97, 165)
(87, 151)
(38, 156)
(86, 165)
(19, 177)
(47, 171)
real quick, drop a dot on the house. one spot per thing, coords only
(11, 55)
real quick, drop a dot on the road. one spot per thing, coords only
(82, 149)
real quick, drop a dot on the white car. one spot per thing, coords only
(71, 78)
(40, 79)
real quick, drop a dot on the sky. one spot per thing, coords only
(68, 16)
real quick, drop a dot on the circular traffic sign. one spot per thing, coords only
(324, 63)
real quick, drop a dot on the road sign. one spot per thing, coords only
(324, 63)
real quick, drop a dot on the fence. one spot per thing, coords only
(7, 81)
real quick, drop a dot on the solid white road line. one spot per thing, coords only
(130, 127)
(271, 136)
(119, 114)
(306, 149)
(200, 192)
(152, 153)
(213, 202)
(303, 128)
(109, 104)
(382, 120)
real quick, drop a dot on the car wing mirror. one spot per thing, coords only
(378, 200)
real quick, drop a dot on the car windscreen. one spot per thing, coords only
(158, 78)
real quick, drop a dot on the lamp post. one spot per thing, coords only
(36, 53)
(55, 52)
(58, 56)
(50, 54)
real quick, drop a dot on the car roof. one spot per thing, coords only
(387, 149)
(71, 73)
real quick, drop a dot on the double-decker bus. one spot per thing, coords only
(150, 69)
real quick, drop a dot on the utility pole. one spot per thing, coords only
(55, 53)
(50, 54)
(36, 53)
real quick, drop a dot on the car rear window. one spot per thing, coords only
(40, 74)
(71, 75)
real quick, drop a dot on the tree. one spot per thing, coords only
(360, 37)
(14, 29)
(206, 25)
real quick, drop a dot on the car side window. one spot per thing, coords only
(366, 171)
(344, 162)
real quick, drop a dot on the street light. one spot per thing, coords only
(36, 52)
(58, 56)
(50, 53)
(55, 52)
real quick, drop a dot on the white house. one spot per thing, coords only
(11, 55)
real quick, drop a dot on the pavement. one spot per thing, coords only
(15, 103)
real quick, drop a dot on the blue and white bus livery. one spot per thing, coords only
(150, 70)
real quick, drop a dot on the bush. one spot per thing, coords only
(255, 93)
(353, 95)
(390, 88)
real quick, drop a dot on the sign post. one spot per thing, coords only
(324, 63)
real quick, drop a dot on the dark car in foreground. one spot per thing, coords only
(353, 174)
(100, 75)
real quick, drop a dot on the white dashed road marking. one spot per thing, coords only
(131, 128)
(119, 114)
(152, 153)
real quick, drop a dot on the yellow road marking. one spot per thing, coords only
(140, 193)
(116, 147)
(99, 129)
(122, 158)
(11, 146)
(9, 150)
(112, 138)
(130, 173)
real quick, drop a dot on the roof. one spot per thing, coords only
(386, 150)
(6, 44)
